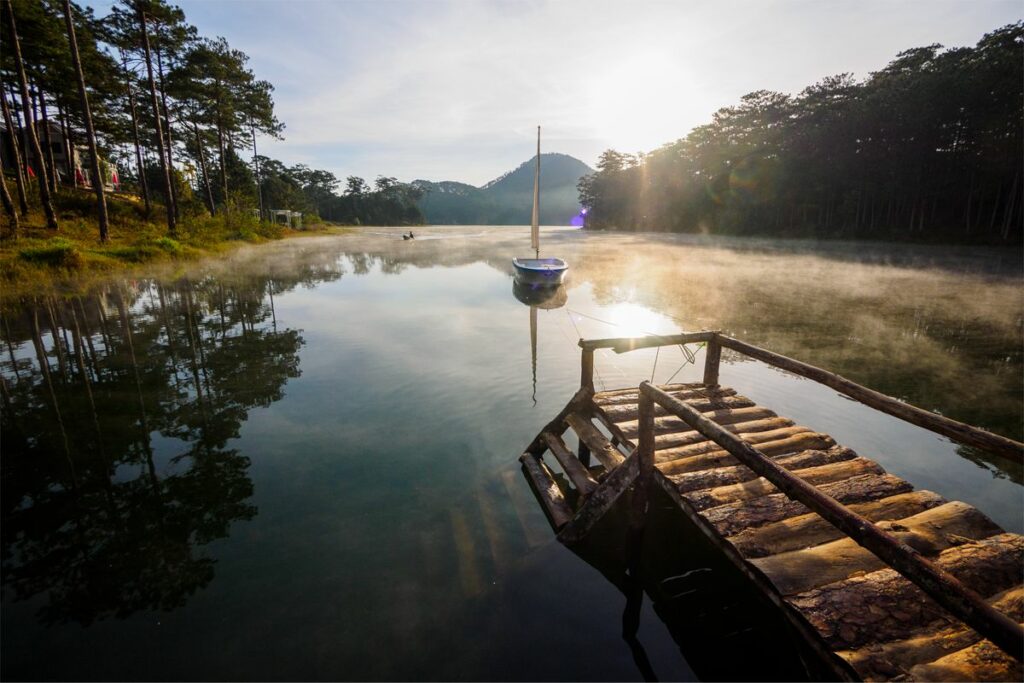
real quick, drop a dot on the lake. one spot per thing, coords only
(300, 462)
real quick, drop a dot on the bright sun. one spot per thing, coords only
(632, 320)
(634, 105)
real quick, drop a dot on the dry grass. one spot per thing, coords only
(39, 260)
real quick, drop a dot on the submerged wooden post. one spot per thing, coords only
(645, 454)
(587, 369)
(712, 358)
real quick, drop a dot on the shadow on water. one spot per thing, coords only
(118, 407)
(723, 627)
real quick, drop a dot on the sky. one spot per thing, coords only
(454, 90)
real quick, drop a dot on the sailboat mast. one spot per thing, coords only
(535, 222)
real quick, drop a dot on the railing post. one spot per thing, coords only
(587, 369)
(644, 454)
(712, 359)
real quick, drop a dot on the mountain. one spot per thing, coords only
(508, 199)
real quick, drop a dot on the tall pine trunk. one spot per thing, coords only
(69, 152)
(90, 133)
(167, 124)
(19, 166)
(135, 134)
(203, 169)
(19, 65)
(256, 162)
(171, 218)
(47, 140)
(223, 155)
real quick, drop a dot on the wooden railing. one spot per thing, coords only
(957, 431)
(942, 586)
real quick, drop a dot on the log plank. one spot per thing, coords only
(928, 532)
(887, 607)
(683, 392)
(703, 399)
(756, 488)
(693, 436)
(886, 660)
(628, 421)
(707, 446)
(600, 447)
(982, 661)
(721, 458)
(733, 518)
(573, 468)
(547, 490)
(805, 531)
(735, 474)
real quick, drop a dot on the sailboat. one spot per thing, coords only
(537, 270)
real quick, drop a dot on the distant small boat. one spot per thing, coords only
(537, 270)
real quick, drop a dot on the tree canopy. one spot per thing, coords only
(177, 113)
(927, 149)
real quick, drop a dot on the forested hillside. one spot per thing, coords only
(508, 199)
(927, 149)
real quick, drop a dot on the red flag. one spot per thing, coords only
(79, 177)
(31, 173)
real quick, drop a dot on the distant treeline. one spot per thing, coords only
(388, 202)
(139, 101)
(927, 149)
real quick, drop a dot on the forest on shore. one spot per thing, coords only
(928, 149)
(138, 102)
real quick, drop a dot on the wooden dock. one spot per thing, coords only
(883, 581)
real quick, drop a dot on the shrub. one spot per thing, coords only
(56, 252)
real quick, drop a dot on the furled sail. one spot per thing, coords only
(535, 221)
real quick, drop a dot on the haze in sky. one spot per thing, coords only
(446, 90)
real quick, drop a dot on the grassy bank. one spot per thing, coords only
(41, 260)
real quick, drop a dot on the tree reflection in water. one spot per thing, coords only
(117, 411)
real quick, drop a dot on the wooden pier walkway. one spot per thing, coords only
(883, 581)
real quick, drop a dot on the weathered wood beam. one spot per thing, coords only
(680, 391)
(893, 658)
(601, 500)
(708, 446)
(600, 447)
(545, 487)
(712, 360)
(620, 437)
(899, 606)
(558, 425)
(621, 412)
(574, 469)
(957, 431)
(929, 533)
(721, 458)
(624, 344)
(804, 531)
(587, 369)
(944, 588)
(735, 518)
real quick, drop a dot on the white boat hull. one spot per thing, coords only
(540, 271)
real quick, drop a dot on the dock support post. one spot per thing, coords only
(712, 358)
(587, 369)
(645, 456)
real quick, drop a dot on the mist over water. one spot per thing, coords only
(300, 461)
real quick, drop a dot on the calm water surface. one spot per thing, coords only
(300, 463)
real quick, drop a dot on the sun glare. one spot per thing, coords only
(632, 320)
(635, 101)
